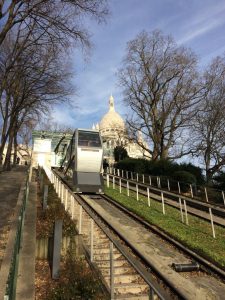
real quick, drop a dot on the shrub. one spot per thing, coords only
(133, 165)
(196, 171)
(120, 153)
(185, 178)
(219, 180)
(162, 167)
(76, 282)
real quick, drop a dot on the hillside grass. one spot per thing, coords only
(197, 235)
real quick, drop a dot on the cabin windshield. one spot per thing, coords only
(89, 139)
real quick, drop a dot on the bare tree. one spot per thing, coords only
(37, 79)
(209, 125)
(161, 86)
(59, 19)
(34, 37)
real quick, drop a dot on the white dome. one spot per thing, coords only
(111, 120)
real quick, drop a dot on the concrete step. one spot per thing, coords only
(99, 236)
(120, 270)
(105, 250)
(105, 256)
(98, 243)
(101, 245)
(126, 278)
(131, 288)
(133, 297)
(106, 263)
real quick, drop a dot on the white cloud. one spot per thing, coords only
(204, 28)
(202, 22)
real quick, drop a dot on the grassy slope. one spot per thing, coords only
(197, 236)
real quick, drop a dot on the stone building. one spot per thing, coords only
(113, 132)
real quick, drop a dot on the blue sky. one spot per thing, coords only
(198, 24)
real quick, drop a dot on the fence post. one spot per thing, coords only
(122, 173)
(159, 183)
(127, 174)
(137, 177)
(56, 248)
(113, 182)
(41, 181)
(206, 195)
(181, 211)
(92, 236)
(150, 180)
(62, 193)
(118, 172)
(72, 201)
(168, 184)
(80, 220)
(191, 190)
(132, 178)
(59, 188)
(163, 204)
(111, 272)
(149, 203)
(212, 224)
(45, 197)
(178, 184)
(137, 191)
(186, 215)
(143, 176)
(128, 192)
(107, 180)
(120, 186)
(151, 293)
(66, 201)
(223, 197)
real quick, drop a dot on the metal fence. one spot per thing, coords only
(201, 193)
(10, 293)
(181, 202)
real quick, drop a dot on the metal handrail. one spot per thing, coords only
(157, 181)
(10, 292)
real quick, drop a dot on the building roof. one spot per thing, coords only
(111, 119)
(54, 136)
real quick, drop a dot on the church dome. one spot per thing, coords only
(111, 120)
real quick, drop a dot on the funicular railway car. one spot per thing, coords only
(83, 162)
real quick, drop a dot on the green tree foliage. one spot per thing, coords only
(188, 173)
(196, 171)
(219, 180)
(133, 165)
(120, 153)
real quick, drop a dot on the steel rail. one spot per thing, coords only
(149, 279)
(141, 270)
(205, 264)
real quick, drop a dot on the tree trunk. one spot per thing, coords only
(207, 165)
(155, 154)
(3, 140)
(5, 132)
(164, 154)
(7, 162)
(15, 146)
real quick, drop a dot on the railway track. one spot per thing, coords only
(134, 260)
